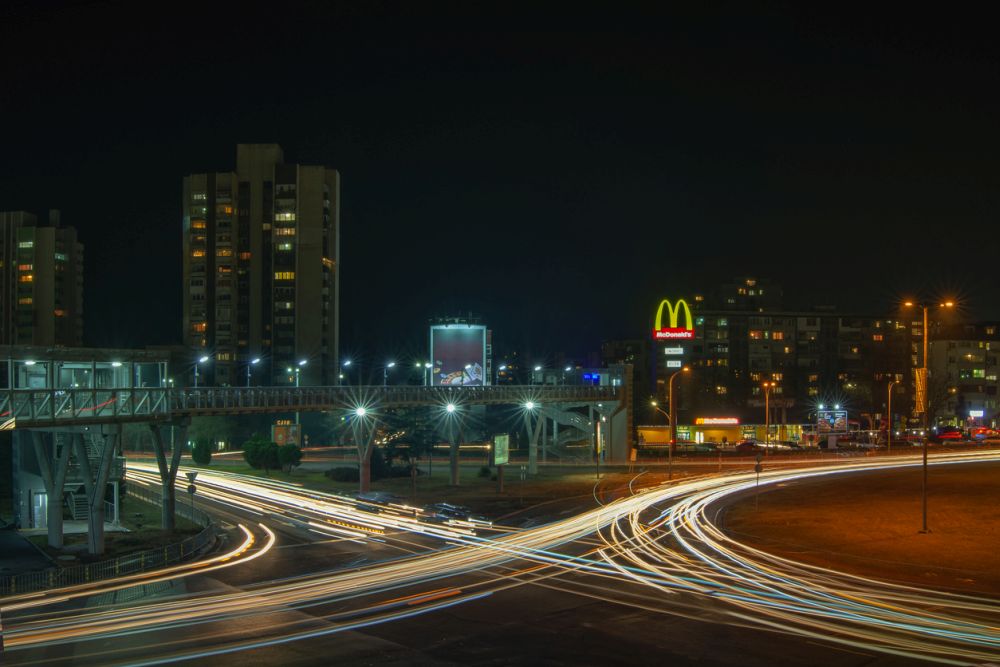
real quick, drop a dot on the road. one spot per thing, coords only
(649, 572)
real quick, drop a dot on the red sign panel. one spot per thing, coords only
(673, 333)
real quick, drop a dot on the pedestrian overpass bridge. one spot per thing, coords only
(56, 408)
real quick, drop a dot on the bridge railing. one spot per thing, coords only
(83, 405)
(48, 407)
(218, 400)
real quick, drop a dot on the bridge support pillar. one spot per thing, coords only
(168, 471)
(534, 431)
(365, 442)
(96, 482)
(53, 469)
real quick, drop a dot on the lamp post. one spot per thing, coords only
(888, 432)
(343, 376)
(924, 411)
(197, 364)
(537, 369)
(768, 386)
(673, 420)
(253, 362)
(385, 372)
(660, 410)
(298, 370)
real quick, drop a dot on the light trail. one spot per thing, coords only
(659, 539)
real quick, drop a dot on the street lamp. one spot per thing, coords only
(197, 364)
(501, 368)
(922, 405)
(660, 410)
(298, 370)
(385, 372)
(889, 410)
(253, 362)
(537, 369)
(342, 376)
(673, 419)
(768, 386)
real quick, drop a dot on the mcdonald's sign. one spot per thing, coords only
(673, 332)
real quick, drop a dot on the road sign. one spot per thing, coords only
(191, 476)
(192, 488)
(500, 449)
(757, 468)
(760, 457)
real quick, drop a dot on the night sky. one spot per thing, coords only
(556, 174)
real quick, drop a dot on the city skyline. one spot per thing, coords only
(642, 181)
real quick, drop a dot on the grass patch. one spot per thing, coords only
(143, 522)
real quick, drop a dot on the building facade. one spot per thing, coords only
(261, 271)
(41, 281)
(963, 386)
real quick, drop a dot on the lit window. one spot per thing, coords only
(813, 391)
(814, 378)
(788, 350)
(198, 224)
(61, 257)
(776, 376)
(59, 312)
(854, 350)
(26, 244)
(877, 338)
(756, 335)
(225, 269)
(27, 278)
(25, 301)
(778, 335)
(721, 389)
(197, 253)
(24, 267)
(244, 255)
(978, 373)
(284, 246)
(284, 275)
(200, 327)
(224, 252)
(199, 196)
(284, 231)
(284, 217)
(991, 331)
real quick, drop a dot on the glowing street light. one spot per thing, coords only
(253, 362)
(922, 405)
(385, 372)
(200, 362)
(450, 407)
(673, 419)
(360, 411)
(660, 410)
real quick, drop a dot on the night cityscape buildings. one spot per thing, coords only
(261, 270)
(41, 281)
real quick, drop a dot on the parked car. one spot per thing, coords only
(747, 447)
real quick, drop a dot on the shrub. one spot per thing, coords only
(484, 472)
(289, 456)
(343, 474)
(201, 452)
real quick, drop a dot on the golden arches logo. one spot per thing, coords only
(673, 312)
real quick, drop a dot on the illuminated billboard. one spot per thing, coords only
(458, 354)
(674, 311)
(831, 421)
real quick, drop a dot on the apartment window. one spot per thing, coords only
(225, 269)
(284, 246)
(198, 253)
(788, 350)
(877, 338)
(199, 196)
(25, 301)
(776, 376)
(723, 322)
(224, 356)
(27, 278)
(198, 224)
(814, 378)
(59, 312)
(224, 252)
(756, 335)
(284, 231)
(854, 350)
(755, 377)
(244, 255)
(26, 244)
(813, 391)
(778, 335)
(200, 327)
(284, 217)
(978, 373)
(284, 275)
(25, 267)
(721, 389)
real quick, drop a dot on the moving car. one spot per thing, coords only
(947, 434)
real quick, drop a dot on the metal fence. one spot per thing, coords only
(182, 503)
(117, 567)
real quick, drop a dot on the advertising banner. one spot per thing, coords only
(831, 421)
(500, 449)
(458, 355)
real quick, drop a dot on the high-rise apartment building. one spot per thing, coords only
(261, 270)
(41, 281)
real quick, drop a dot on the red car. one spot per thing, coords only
(947, 434)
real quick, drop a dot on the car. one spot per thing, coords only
(947, 434)
(747, 447)
(981, 433)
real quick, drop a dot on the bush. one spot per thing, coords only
(343, 474)
(289, 456)
(201, 452)
(484, 472)
(260, 453)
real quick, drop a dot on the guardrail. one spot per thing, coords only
(83, 405)
(142, 561)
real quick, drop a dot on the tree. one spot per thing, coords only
(201, 452)
(289, 456)
(261, 454)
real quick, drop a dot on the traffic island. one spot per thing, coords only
(869, 524)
